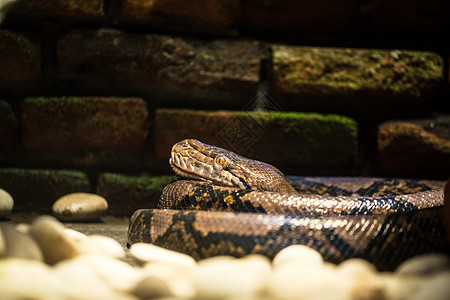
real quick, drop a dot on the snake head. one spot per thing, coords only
(193, 159)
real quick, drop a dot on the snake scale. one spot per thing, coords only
(227, 204)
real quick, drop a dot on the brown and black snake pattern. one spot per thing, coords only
(237, 206)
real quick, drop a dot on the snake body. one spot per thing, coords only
(232, 205)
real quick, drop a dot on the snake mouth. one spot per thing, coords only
(183, 173)
(195, 160)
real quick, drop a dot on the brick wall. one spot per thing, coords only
(94, 93)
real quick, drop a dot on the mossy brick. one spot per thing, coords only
(20, 58)
(127, 193)
(8, 127)
(84, 122)
(158, 61)
(88, 9)
(338, 71)
(299, 143)
(214, 11)
(361, 83)
(319, 16)
(399, 17)
(415, 148)
(36, 189)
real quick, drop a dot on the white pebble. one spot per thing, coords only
(225, 277)
(151, 287)
(436, 287)
(29, 279)
(299, 255)
(423, 265)
(18, 244)
(2, 244)
(362, 278)
(50, 235)
(175, 276)
(6, 203)
(292, 282)
(356, 268)
(84, 281)
(144, 252)
(107, 246)
(80, 207)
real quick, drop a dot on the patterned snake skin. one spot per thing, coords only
(231, 205)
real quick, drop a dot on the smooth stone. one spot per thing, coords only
(6, 203)
(85, 282)
(406, 287)
(18, 244)
(55, 244)
(144, 252)
(436, 287)
(363, 279)
(299, 255)
(107, 246)
(225, 277)
(80, 207)
(175, 276)
(292, 282)
(2, 244)
(423, 265)
(29, 279)
(116, 274)
(151, 287)
(357, 268)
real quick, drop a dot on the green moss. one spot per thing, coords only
(20, 42)
(139, 182)
(7, 116)
(299, 69)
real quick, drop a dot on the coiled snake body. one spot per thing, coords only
(232, 205)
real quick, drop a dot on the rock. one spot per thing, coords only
(151, 287)
(425, 264)
(6, 203)
(107, 246)
(292, 281)
(2, 244)
(84, 281)
(115, 274)
(357, 268)
(29, 279)
(437, 288)
(175, 276)
(362, 279)
(18, 244)
(143, 252)
(55, 244)
(226, 277)
(79, 207)
(298, 255)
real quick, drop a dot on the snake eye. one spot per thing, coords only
(220, 160)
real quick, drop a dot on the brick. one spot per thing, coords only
(298, 143)
(356, 81)
(156, 61)
(60, 8)
(419, 148)
(318, 16)
(8, 128)
(36, 190)
(20, 58)
(125, 194)
(215, 11)
(405, 16)
(84, 122)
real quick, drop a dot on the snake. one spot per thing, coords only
(226, 204)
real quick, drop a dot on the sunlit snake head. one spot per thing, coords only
(193, 159)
